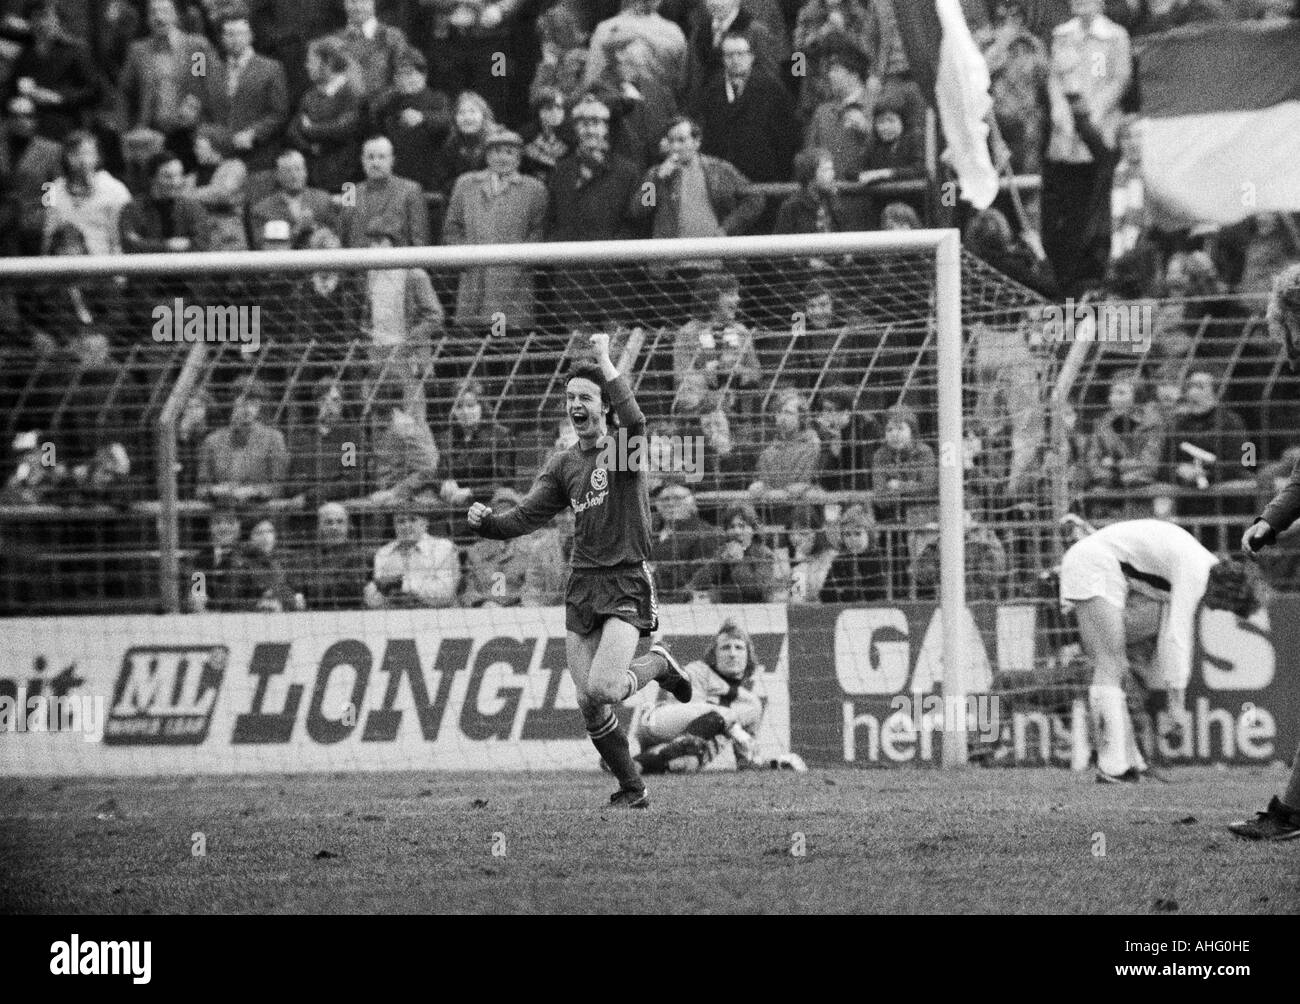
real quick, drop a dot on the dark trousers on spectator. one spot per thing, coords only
(1076, 221)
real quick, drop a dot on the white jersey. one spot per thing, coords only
(1153, 557)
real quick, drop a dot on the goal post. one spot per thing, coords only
(901, 338)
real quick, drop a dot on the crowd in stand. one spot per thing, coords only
(228, 125)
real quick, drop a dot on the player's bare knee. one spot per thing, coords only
(605, 691)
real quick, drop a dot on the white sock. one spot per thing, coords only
(1110, 726)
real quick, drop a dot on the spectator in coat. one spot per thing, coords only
(904, 472)
(859, 573)
(327, 452)
(87, 197)
(405, 457)
(465, 148)
(1091, 66)
(788, 464)
(162, 92)
(164, 219)
(710, 23)
(395, 205)
(496, 206)
(747, 116)
(1124, 449)
(715, 342)
(1205, 423)
(526, 571)
(1018, 68)
(545, 139)
(640, 20)
(745, 569)
(849, 439)
(588, 195)
(56, 71)
(333, 571)
(248, 98)
(372, 48)
(327, 126)
(218, 186)
(247, 460)
(806, 559)
(897, 150)
(478, 455)
(209, 585)
(842, 123)
(645, 106)
(681, 543)
(417, 120)
(28, 163)
(822, 24)
(415, 570)
(815, 207)
(695, 195)
(303, 208)
(265, 581)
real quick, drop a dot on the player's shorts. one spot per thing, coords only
(625, 591)
(1090, 569)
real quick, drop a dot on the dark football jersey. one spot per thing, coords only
(611, 503)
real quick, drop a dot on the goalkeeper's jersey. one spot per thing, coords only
(1153, 557)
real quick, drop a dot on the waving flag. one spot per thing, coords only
(950, 69)
(1221, 121)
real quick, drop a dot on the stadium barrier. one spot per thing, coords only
(480, 690)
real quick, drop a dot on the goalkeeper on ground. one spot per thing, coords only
(724, 707)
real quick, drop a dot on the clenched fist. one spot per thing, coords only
(477, 513)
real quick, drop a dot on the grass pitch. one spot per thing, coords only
(874, 841)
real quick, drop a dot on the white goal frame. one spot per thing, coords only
(944, 245)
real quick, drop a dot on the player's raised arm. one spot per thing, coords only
(629, 413)
(542, 502)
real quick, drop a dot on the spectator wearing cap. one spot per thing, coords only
(682, 542)
(695, 195)
(496, 206)
(526, 571)
(747, 115)
(415, 570)
(247, 96)
(588, 195)
(54, 70)
(298, 208)
(211, 573)
(327, 125)
(479, 454)
(385, 200)
(245, 461)
(664, 40)
(904, 471)
(372, 49)
(162, 93)
(404, 457)
(745, 569)
(164, 219)
(28, 164)
(333, 570)
(842, 123)
(266, 579)
(544, 139)
(417, 119)
(859, 573)
(87, 197)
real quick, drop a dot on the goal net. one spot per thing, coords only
(848, 449)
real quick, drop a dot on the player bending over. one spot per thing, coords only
(610, 598)
(1281, 820)
(724, 706)
(1114, 579)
